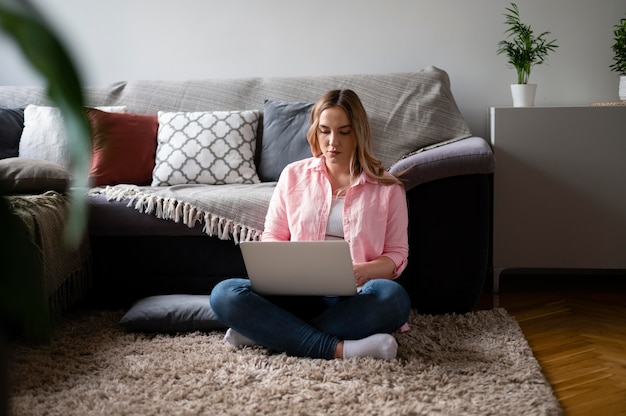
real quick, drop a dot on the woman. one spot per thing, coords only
(342, 192)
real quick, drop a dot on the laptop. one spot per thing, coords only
(308, 268)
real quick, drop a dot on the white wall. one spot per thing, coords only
(115, 40)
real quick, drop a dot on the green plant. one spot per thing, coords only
(619, 48)
(524, 50)
(20, 290)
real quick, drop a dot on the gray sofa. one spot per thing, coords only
(160, 237)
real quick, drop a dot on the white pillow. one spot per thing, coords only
(44, 137)
(212, 148)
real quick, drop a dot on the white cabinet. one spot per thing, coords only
(559, 188)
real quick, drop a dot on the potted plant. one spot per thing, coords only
(619, 57)
(524, 51)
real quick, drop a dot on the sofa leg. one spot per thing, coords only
(496, 279)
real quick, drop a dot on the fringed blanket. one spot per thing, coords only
(234, 211)
(64, 270)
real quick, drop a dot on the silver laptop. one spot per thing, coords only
(317, 268)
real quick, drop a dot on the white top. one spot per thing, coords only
(334, 228)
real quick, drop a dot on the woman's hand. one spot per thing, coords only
(380, 268)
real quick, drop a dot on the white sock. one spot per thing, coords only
(378, 346)
(237, 340)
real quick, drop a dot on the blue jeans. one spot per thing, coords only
(310, 326)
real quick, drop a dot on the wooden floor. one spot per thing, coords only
(576, 325)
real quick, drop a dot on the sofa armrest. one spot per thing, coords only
(449, 243)
(472, 155)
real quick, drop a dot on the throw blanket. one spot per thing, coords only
(64, 270)
(234, 211)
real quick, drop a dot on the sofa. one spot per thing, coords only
(182, 171)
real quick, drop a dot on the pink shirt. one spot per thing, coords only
(375, 216)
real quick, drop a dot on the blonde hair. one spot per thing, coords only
(363, 160)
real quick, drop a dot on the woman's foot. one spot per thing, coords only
(237, 340)
(382, 346)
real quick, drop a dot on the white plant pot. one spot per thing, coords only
(622, 87)
(523, 94)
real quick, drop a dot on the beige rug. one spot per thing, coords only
(473, 364)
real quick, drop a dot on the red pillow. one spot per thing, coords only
(124, 147)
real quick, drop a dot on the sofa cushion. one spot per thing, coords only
(11, 126)
(20, 175)
(285, 126)
(111, 217)
(44, 136)
(124, 147)
(204, 147)
(171, 313)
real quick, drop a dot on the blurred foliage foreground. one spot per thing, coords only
(20, 290)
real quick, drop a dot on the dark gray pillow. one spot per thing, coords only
(11, 126)
(171, 313)
(22, 175)
(284, 137)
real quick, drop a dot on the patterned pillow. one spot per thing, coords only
(212, 148)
